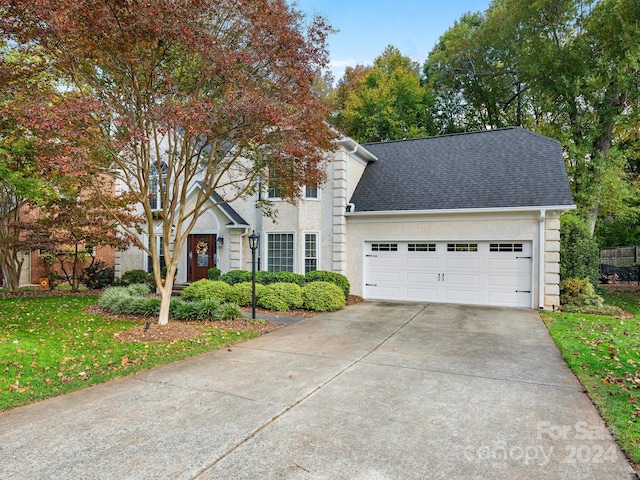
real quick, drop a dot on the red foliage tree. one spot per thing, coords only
(214, 91)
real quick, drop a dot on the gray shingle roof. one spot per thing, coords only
(508, 167)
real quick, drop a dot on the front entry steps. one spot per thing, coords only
(178, 288)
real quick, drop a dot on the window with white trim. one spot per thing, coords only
(311, 191)
(310, 252)
(155, 198)
(160, 244)
(280, 252)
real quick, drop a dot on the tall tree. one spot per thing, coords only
(22, 78)
(564, 68)
(208, 91)
(384, 102)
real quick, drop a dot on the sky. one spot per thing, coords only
(366, 27)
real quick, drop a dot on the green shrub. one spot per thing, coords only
(113, 297)
(236, 276)
(206, 290)
(240, 293)
(578, 250)
(98, 275)
(281, 297)
(183, 310)
(138, 289)
(331, 277)
(137, 276)
(230, 312)
(288, 277)
(323, 296)
(207, 310)
(579, 292)
(264, 278)
(213, 274)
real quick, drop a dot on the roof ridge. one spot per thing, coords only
(458, 134)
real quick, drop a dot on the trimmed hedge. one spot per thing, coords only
(236, 276)
(323, 296)
(241, 293)
(206, 290)
(213, 274)
(331, 277)
(281, 297)
(289, 277)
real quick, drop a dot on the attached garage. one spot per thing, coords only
(482, 273)
(469, 218)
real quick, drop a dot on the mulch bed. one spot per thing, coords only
(150, 331)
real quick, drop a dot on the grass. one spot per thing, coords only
(604, 353)
(50, 346)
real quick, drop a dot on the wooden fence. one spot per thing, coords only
(620, 256)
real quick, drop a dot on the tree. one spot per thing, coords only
(69, 229)
(22, 78)
(208, 91)
(383, 102)
(567, 69)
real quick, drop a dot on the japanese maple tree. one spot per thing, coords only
(208, 91)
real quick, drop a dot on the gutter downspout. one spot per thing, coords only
(541, 253)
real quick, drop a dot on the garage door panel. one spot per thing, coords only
(385, 262)
(507, 281)
(422, 294)
(462, 296)
(454, 279)
(463, 263)
(422, 263)
(421, 278)
(486, 274)
(384, 277)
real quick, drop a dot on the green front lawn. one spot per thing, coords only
(50, 345)
(604, 353)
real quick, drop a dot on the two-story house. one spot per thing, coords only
(469, 218)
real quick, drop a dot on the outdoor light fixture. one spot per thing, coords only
(220, 242)
(254, 240)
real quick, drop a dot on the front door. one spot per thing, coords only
(201, 256)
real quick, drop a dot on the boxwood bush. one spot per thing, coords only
(235, 276)
(264, 278)
(331, 277)
(206, 290)
(289, 277)
(213, 274)
(137, 276)
(98, 275)
(281, 297)
(240, 293)
(323, 296)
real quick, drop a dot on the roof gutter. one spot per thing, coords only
(449, 211)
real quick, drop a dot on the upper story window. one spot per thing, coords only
(311, 191)
(275, 187)
(155, 179)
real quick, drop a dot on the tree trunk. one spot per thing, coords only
(11, 269)
(165, 294)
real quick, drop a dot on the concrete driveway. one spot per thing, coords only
(375, 391)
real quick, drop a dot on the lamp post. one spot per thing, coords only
(254, 239)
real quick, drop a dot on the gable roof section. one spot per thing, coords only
(504, 168)
(228, 210)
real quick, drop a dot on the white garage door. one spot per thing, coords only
(481, 273)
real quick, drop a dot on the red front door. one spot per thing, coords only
(201, 256)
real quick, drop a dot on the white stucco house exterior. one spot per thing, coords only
(469, 218)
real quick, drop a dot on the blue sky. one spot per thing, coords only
(367, 27)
